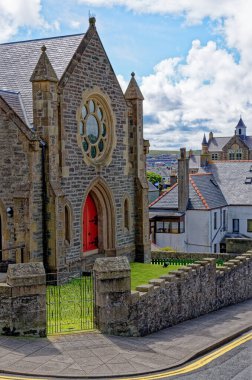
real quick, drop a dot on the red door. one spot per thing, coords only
(90, 225)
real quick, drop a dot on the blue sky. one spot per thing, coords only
(192, 59)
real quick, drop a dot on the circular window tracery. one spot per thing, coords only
(94, 126)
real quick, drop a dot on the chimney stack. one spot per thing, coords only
(183, 181)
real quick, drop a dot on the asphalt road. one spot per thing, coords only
(233, 365)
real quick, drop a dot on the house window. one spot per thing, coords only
(170, 226)
(248, 180)
(224, 220)
(231, 155)
(215, 220)
(249, 225)
(126, 214)
(236, 225)
(235, 153)
(238, 156)
(215, 248)
(215, 156)
(67, 224)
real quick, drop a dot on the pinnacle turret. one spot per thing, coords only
(133, 91)
(44, 70)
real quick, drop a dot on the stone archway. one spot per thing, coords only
(101, 220)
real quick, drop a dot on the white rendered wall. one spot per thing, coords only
(175, 241)
(197, 231)
(243, 213)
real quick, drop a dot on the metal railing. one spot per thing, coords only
(19, 256)
(175, 261)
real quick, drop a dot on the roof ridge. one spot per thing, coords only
(163, 194)
(200, 174)
(198, 192)
(225, 161)
(42, 39)
(10, 91)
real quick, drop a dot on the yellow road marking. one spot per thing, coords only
(197, 364)
(189, 368)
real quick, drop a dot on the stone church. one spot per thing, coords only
(72, 155)
(237, 147)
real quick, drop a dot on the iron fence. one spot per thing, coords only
(70, 302)
(176, 261)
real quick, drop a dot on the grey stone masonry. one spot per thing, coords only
(23, 300)
(112, 288)
(238, 245)
(186, 293)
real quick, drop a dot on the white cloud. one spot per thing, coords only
(184, 98)
(123, 82)
(15, 14)
(207, 89)
(75, 24)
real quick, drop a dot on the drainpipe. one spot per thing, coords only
(44, 203)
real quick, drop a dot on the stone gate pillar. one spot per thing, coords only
(112, 295)
(27, 284)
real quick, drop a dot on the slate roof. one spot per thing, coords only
(167, 200)
(194, 161)
(230, 176)
(18, 60)
(14, 100)
(216, 144)
(207, 193)
(241, 123)
(152, 187)
(204, 194)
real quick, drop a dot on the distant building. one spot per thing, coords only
(202, 209)
(153, 192)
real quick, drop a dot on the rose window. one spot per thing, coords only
(93, 128)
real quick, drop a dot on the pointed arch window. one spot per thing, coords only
(126, 214)
(67, 224)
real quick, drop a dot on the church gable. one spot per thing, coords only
(90, 77)
(235, 149)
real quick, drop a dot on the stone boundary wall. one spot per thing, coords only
(196, 256)
(178, 296)
(23, 301)
(238, 245)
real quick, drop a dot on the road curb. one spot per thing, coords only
(191, 357)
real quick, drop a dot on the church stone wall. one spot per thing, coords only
(173, 298)
(20, 188)
(94, 71)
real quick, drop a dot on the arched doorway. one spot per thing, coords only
(90, 225)
(98, 221)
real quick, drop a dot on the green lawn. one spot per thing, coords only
(70, 307)
(142, 273)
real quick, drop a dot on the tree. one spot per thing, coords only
(154, 178)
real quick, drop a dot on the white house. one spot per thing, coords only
(202, 209)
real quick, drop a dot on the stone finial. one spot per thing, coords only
(44, 70)
(133, 91)
(92, 20)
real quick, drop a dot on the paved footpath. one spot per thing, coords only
(96, 355)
